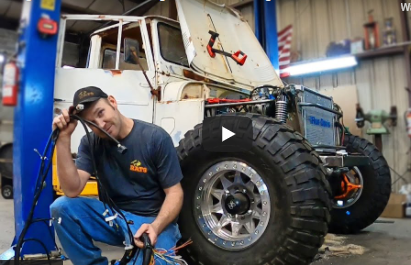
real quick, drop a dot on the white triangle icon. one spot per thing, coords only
(226, 134)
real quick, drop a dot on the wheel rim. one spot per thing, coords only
(355, 177)
(7, 192)
(232, 205)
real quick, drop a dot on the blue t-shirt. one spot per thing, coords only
(134, 180)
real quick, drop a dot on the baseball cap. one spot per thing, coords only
(86, 95)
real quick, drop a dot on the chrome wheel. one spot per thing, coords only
(352, 184)
(232, 205)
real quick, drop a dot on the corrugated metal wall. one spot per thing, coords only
(380, 82)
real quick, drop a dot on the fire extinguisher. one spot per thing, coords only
(10, 84)
(408, 121)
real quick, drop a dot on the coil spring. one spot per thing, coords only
(281, 111)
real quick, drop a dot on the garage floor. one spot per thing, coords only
(385, 244)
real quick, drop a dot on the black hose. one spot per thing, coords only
(54, 136)
(42, 244)
(148, 249)
(106, 197)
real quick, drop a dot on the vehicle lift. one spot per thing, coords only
(33, 100)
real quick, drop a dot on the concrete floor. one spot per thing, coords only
(386, 244)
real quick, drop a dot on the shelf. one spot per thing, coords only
(384, 51)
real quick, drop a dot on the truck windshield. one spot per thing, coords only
(171, 44)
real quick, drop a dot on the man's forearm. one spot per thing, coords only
(169, 210)
(66, 170)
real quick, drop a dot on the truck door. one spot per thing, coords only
(108, 68)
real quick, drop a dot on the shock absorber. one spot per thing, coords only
(281, 109)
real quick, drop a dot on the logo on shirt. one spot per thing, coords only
(135, 166)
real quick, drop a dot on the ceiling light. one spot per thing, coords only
(320, 66)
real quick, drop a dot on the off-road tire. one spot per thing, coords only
(376, 190)
(299, 194)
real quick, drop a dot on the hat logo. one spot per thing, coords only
(84, 94)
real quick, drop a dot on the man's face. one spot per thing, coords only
(105, 114)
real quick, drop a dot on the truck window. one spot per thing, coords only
(171, 44)
(109, 48)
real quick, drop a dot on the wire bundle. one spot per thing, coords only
(169, 255)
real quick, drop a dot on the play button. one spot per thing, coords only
(227, 133)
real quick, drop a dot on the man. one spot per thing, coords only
(144, 182)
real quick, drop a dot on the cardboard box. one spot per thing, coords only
(357, 46)
(395, 206)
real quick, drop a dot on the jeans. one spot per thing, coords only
(79, 221)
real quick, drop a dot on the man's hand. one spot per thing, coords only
(63, 123)
(150, 230)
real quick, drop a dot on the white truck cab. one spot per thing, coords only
(176, 74)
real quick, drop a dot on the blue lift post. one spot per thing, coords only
(32, 121)
(265, 15)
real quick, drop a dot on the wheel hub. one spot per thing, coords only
(347, 188)
(237, 204)
(7, 192)
(352, 184)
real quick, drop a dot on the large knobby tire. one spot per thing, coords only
(295, 188)
(375, 192)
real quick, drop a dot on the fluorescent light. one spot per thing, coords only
(319, 66)
(68, 67)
